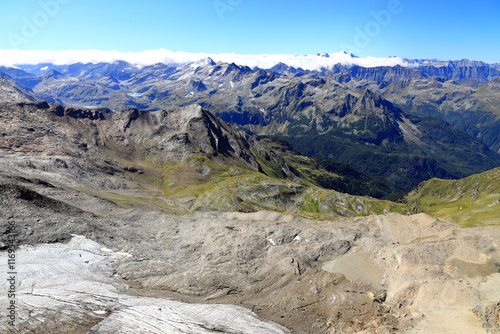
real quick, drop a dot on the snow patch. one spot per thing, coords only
(123, 254)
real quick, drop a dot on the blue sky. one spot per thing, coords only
(406, 28)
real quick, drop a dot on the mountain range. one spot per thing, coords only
(403, 124)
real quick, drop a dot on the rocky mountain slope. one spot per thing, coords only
(9, 93)
(180, 205)
(386, 274)
(470, 106)
(179, 160)
(388, 122)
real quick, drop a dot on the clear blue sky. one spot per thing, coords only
(415, 28)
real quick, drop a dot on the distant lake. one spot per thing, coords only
(134, 94)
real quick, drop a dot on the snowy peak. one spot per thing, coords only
(126, 61)
(37, 62)
(207, 62)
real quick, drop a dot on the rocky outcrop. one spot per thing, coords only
(9, 93)
(156, 136)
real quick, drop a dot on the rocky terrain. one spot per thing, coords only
(88, 298)
(401, 124)
(376, 274)
(175, 221)
(9, 93)
(179, 161)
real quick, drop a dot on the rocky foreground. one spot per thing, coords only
(377, 274)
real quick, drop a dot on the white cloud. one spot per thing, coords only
(308, 62)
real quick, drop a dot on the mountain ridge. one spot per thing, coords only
(184, 156)
(10, 93)
(314, 61)
(374, 111)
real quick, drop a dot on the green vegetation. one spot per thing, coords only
(402, 170)
(330, 175)
(198, 183)
(472, 201)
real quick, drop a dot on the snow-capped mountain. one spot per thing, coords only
(146, 58)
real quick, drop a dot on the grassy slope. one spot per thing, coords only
(472, 201)
(197, 183)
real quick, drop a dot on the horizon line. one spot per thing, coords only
(313, 61)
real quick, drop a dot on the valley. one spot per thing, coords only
(214, 197)
(395, 123)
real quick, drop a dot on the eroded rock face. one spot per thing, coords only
(159, 136)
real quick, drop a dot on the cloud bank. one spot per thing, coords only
(145, 58)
